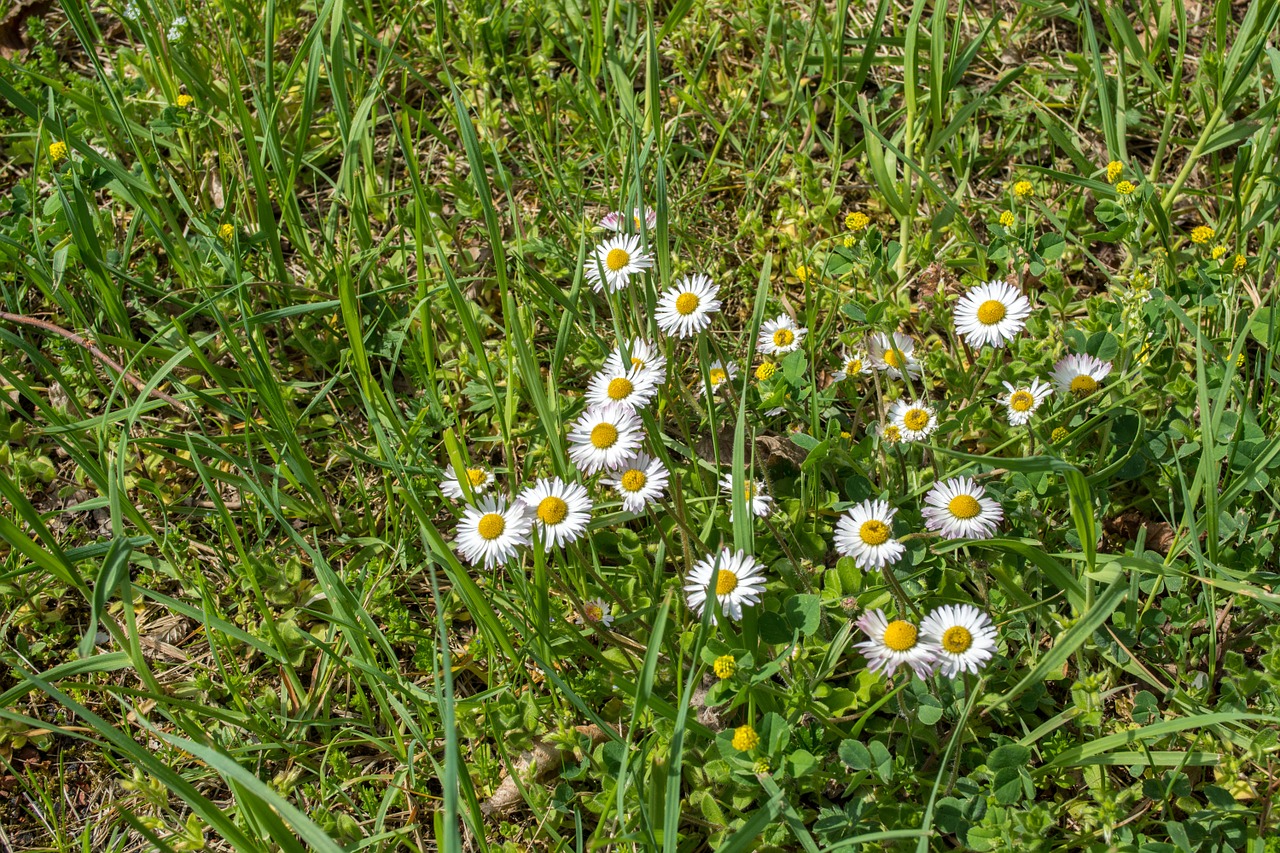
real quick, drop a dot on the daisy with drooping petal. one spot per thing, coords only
(1080, 375)
(632, 388)
(639, 480)
(781, 335)
(491, 532)
(960, 509)
(480, 479)
(617, 220)
(719, 374)
(640, 354)
(686, 308)
(991, 313)
(614, 261)
(757, 496)
(887, 432)
(852, 363)
(894, 356)
(595, 610)
(1023, 400)
(561, 511)
(738, 581)
(915, 420)
(603, 436)
(890, 645)
(964, 635)
(865, 533)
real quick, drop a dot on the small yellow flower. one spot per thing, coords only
(1059, 435)
(1217, 252)
(891, 434)
(1007, 219)
(1238, 265)
(856, 221)
(1201, 234)
(226, 232)
(1023, 189)
(761, 767)
(184, 101)
(745, 738)
(845, 434)
(1125, 188)
(1114, 168)
(766, 370)
(849, 241)
(725, 666)
(803, 273)
(58, 151)
(1240, 361)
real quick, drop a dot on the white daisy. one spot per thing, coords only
(641, 354)
(739, 581)
(852, 363)
(615, 260)
(720, 375)
(915, 420)
(886, 432)
(893, 356)
(991, 313)
(603, 436)
(1079, 375)
(757, 496)
(491, 532)
(892, 644)
(781, 335)
(595, 610)
(616, 220)
(560, 510)
(1023, 400)
(960, 509)
(865, 533)
(964, 635)
(640, 480)
(633, 388)
(686, 308)
(479, 478)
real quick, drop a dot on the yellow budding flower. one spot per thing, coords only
(1114, 168)
(58, 151)
(745, 738)
(226, 232)
(1125, 188)
(849, 241)
(761, 767)
(766, 371)
(1217, 252)
(803, 273)
(857, 221)
(1007, 219)
(725, 666)
(184, 101)
(1201, 234)
(1240, 361)
(1059, 435)
(1023, 189)
(1238, 265)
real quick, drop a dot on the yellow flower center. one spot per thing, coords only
(874, 532)
(892, 358)
(916, 419)
(594, 612)
(717, 375)
(783, 338)
(1021, 401)
(477, 477)
(616, 259)
(604, 436)
(964, 506)
(1083, 385)
(726, 582)
(635, 362)
(491, 526)
(687, 303)
(957, 640)
(853, 365)
(620, 388)
(552, 510)
(633, 480)
(991, 312)
(745, 738)
(900, 635)
(891, 434)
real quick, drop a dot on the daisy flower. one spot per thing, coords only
(960, 509)
(888, 433)
(758, 499)
(614, 261)
(865, 533)
(739, 581)
(603, 436)
(719, 374)
(480, 479)
(1080, 374)
(852, 363)
(892, 644)
(491, 532)
(1023, 400)
(595, 610)
(991, 313)
(560, 510)
(781, 335)
(616, 220)
(964, 636)
(893, 356)
(639, 480)
(642, 354)
(686, 308)
(633, 388)
(915, 420)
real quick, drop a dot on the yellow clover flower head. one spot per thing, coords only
(849, 241)
(1059, 435)
(1201, 234)
(761, 767)
(58, 151)
(725, 666)
(1217, 252)
(766, 371)
(857, 221)
(745, 738)
(184, 101)
(803, 273)
(1125, 188)
(1007, 219)
(1238, 265)
(226, 232)
(1114, 168)
(1023, 189)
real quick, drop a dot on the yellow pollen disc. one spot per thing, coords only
(964, 506)
(552, 510)
(916, 419)
(717, 375)
(853, 365)
(783, 338)
(616, 259)
(726, 582)
(874, 532)
(749, 489)
(635, 362)
(594, 613)
(604, 436)
(687, 303)
(477, 477)
(900, 636)
(957, 640)
(891, 358)
(491, 526)
(891, 434)
(991, 312)
(1083, 385)
(620, 388)
(1021, 401)
(633, 480)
